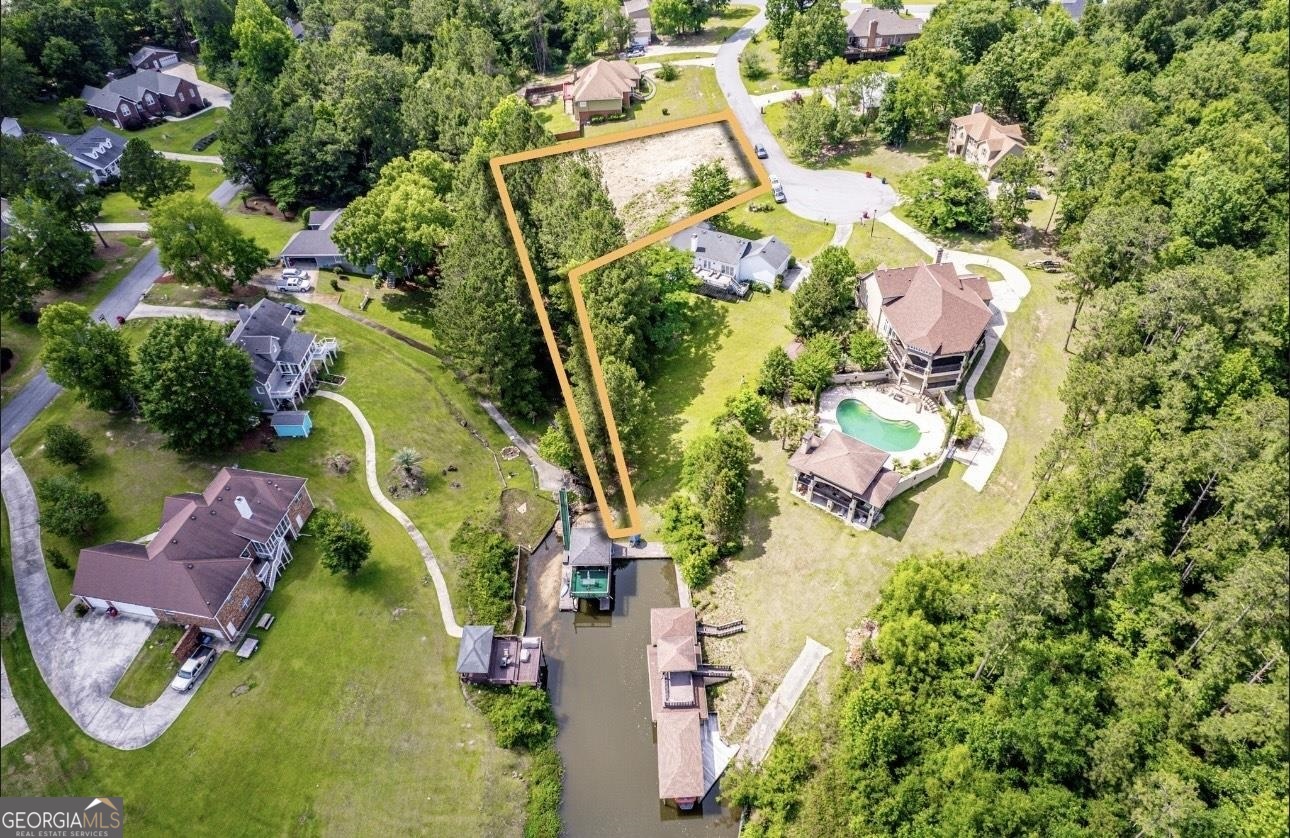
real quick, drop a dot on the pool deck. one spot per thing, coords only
(929, 422)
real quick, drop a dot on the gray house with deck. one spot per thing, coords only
(286, 362)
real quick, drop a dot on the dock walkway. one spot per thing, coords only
(762, 734)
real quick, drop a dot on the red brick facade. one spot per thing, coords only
(302, 507)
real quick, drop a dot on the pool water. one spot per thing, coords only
(858, 421)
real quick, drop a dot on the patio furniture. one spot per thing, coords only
(248, 647)
(266, 621)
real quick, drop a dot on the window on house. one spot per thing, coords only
(246, 602)
(147, 97)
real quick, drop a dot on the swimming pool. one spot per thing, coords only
(858, 421)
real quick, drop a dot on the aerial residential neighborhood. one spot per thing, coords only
(644, 417)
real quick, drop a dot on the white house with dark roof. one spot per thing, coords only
(130, 101)
(933, 319)
(286, 362)
(213, 557)
(9, 127)
(730, 264)
(98, 151)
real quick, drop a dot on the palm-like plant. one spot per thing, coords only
(407, 467)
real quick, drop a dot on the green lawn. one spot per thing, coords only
(117, 260)
(867, 154)
(767, 49)
(269, 232)
(120, 207)
(168, 136)
(407, 312)
(804, 237)
(717, 28)
(803, 573)
(873, 244)
(349, 719)
(693, 93)
(671, 56)
(152, 670)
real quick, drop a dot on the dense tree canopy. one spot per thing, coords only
(147, 177)
(90, 359)
(197, 244)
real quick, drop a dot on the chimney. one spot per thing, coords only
(940, 251)
(872, 43)
(243, 508)
(694, 242)
(977, 107)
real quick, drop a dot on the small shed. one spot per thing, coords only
(293, 423)
(475, 653)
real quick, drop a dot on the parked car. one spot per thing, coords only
(295, 308)
(192, 669)
(1051, 266)
(288, 273)
(760, 151)
(1033, 194)
(777, 192)
(294, 285)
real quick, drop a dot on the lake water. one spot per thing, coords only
(598, 684)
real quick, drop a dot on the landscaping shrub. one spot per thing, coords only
(521, 717)
(487, 570)
(749, 409)
(57, 559)
(67, 508)
(346, 544)
(204, 142)
(867, 350)
(776, 373)
(556, 448)
(66, 446)
(546, 787)
(338, 462)
(754, 66)
(682, 532)
(668, 72)
(966, 428)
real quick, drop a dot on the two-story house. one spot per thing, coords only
(602, 88)
(873, 32)
(215, 554)
(286, 363)
(728, 263)
(932, 318)
(131, 101)
(983, 142)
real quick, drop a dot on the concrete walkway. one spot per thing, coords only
(213, 159)
(762, 734)
(12, 723)
(145, 310)
(984, 453)
(122, 226)
(374, 486)
(81, 659)
(761, 100)
(550, 477)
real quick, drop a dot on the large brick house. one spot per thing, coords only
(982, 141)
(602, 88)
(212, 559)
(932, 318)
(873, 32)
(130, 101)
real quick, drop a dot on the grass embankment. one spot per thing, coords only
(805, 238)
(802, 572)
(716, 28)
(693, 93)
(345, 747)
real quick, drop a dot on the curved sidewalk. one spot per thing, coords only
(985, 451)
(80, 659)
(374, 486)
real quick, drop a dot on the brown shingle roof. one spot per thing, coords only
(603, 79)
(889, 23)
(983, 128)
(674, 631)
(680, 755)
(933, 309)
(195, 559)
(848, 464)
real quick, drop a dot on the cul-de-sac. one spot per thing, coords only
(769, 418)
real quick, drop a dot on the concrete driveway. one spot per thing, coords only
(80, 659)
(834, 197)
(217, 96)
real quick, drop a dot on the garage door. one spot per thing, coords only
(168, 60)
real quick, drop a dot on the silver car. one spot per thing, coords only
(192, 669)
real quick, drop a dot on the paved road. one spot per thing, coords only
(40, 391)
(374, 486)
(762, 734)
(81, 659)
(834, 197)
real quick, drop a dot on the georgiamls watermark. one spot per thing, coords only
(62, 817)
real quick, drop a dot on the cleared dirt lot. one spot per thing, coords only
(647, 178)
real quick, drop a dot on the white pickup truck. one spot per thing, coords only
(192, 669)
(294, 281)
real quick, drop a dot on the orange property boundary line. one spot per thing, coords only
(575, 286)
